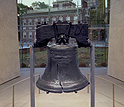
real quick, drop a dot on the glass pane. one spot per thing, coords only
(94, 12)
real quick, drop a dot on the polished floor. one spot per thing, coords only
(103, 93)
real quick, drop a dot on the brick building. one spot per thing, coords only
(64, 10)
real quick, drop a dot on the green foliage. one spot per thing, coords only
(93, 17)
(39, 5)
(108, 10)
(108, 4)
(95, 32)
(101, 57)
(98, 16)
(101, 12)
(102, 33)
(21, 8)
(95, 35)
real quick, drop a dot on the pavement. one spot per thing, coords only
(103, 92)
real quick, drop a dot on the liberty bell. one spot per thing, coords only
(62, 73)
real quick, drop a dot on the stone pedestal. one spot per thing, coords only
(9, 46)
(116, 40)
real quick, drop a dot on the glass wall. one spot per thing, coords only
(93, 12)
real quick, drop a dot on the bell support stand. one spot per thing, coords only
(32, 78)
(92, 76)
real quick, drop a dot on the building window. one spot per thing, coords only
(30, 28)
(35, 37)
(47, 19)
(24, 28)
(68, 19)
(75, 19)
(30, 22)
(53, 19)
(61, 18)
(42, 20)
(30, 35)
(35, 21)
(24, 35)
(60, 5)
(24, 22)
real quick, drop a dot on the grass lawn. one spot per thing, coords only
(101, 57)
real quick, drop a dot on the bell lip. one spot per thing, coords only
(63, 90)
(54, 90)
(50, 90)
(66, 90)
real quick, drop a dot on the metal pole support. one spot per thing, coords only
(13, 96)
(32, 78)
(113, 95)
(92, 75)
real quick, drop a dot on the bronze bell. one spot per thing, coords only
(62, 73)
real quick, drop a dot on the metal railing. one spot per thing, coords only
(13, 88)
(113, 89)
(88, 89)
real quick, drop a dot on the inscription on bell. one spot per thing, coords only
(62, 52)
(62, 60)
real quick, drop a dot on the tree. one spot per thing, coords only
(108, 10)
(39, 5)
(92, 17)
(22, 8)
(97, 17)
